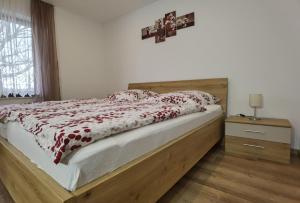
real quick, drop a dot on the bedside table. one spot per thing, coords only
(267, 138)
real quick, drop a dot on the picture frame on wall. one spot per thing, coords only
(167, 26)
(185, 21)
(148, 32)
(160, 31)
(170, 24)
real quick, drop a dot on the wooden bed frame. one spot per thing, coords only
(145, 179)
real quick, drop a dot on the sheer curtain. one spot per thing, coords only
(17, 72)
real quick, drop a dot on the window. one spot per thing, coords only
(16, 61)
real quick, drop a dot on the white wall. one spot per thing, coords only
(81, 55)
(255, 43)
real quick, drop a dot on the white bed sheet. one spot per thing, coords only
(99, 158)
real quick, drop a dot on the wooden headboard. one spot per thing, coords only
(217, 87)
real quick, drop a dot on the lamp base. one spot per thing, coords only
(254, 118)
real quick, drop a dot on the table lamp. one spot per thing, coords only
(255, 101)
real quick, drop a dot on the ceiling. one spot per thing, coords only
(101, 10)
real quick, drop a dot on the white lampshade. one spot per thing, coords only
(255, 100)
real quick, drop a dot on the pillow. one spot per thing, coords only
(147, 94)
(131, 95)
(178, 98)
(205, 97)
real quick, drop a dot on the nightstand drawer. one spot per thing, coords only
(260, 132)
(253, 148)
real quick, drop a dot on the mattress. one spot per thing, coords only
(106, 155)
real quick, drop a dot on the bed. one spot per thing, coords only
(138, 178)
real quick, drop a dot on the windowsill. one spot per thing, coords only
(16, 98)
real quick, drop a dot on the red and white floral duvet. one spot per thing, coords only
(63, 126)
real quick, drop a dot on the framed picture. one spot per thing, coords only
(185, 21)
(160, 31)
(170, 24)
(148, 32)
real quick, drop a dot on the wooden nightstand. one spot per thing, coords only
(267, 138)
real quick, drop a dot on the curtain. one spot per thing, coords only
(44, 47)
(16, 63)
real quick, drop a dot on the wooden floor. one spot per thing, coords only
(224, 178)
(4, 196)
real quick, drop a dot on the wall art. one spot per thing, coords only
(160, 35)
(168, 26)
(185, 21)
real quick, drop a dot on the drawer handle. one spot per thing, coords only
(254, 131)
(256, 146)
